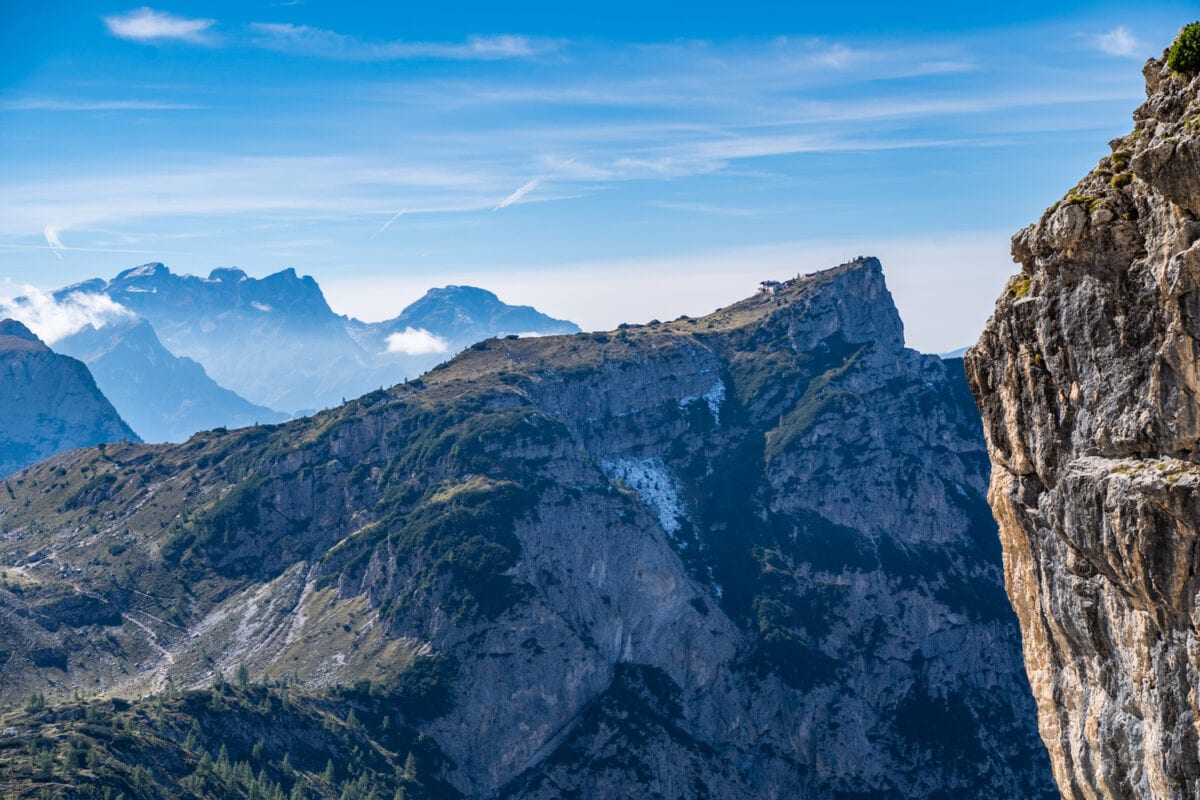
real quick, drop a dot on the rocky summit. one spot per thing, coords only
(1087, 376)
(746, 555)
(49, 402)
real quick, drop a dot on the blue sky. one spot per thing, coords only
(605, 162)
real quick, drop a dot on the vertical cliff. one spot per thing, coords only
(1087, 376)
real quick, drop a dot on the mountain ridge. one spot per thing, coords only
(626, 548)
(51, 402)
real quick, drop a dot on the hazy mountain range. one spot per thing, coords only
(178, 354)
(276, 341)
(164, 397)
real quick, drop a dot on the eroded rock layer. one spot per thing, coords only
(1087, 376)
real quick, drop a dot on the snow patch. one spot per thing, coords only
(655, 485)
(714, 397)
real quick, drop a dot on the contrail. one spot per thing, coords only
(518, 194)
(388, 224)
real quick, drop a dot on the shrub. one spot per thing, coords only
(1184, 55)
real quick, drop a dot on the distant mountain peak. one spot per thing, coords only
(153, 269)
(227, 275)
(465, 314)
(11, 327)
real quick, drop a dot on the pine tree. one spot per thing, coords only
(192, 742)
(222, 765)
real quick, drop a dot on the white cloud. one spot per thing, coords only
(518, 194)
(53, 319)
(307, 40)
(54, 104)
(147, 25)
(1120, 41)
(838, 57)
(416, 342)
(55, 243)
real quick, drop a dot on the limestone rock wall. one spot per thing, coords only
(1087, 376)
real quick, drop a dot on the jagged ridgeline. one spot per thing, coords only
(1087, 378)
(745, 555)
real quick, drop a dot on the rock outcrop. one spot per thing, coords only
(745, 555)
(1088, 377)
(48, 402)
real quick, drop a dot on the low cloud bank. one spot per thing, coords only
(54, 319)
(416, 342)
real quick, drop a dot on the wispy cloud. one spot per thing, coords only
(1120, 41)
(147, 25)
(52, 240)
(307, 40)
(437, 143)
(518, 194)
(837, 56)
(55, 104)
(704, 208)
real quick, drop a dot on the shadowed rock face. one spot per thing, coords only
(48, 402)
(1087, 376)
(746, 555)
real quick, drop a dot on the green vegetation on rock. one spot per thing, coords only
(257, 741)
(1184, 54)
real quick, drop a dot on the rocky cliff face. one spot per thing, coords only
(1087, 376)
(48, 402)
(746, 555)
